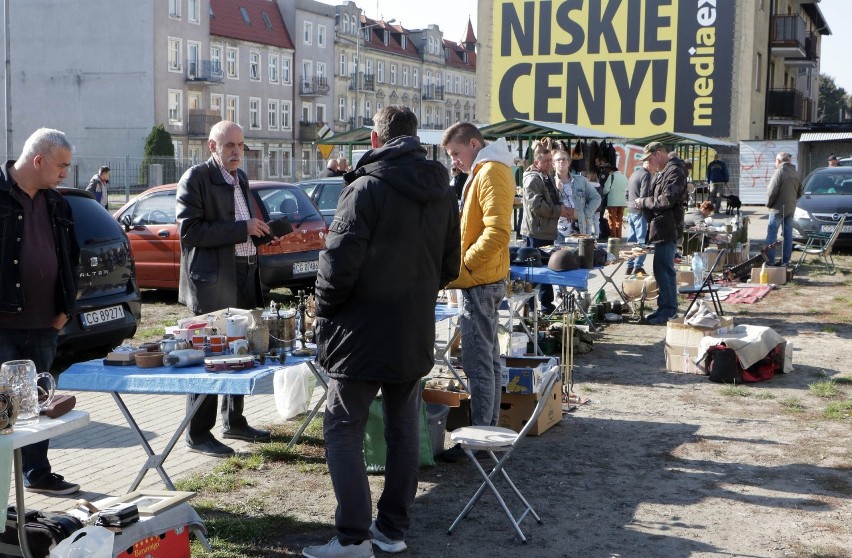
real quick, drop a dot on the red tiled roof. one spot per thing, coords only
(456, 59)
(376, 40)
(227, 20)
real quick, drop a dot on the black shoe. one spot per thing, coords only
(53, 485)
(248, 434)
(456, 453)
(660, 320)
(628, 271)
(640, 272)
(211, 447)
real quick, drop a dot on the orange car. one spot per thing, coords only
(150, 223)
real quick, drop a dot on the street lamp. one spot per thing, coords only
(358, 65)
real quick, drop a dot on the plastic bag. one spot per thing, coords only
(293, 388)
(88, 542)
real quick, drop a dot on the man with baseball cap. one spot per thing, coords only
(832, 161)
(664, 212)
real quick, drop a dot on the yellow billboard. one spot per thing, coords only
(631, 67)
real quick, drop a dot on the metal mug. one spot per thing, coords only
(10, 403)
(22, 378)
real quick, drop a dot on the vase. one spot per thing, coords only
(257, 334)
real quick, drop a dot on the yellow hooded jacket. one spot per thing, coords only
(486, 217)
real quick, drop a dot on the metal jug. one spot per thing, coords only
(24, 381)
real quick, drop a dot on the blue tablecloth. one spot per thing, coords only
(443, 311)
(93, 375)
(577, 278)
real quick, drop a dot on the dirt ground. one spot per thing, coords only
(655, 464)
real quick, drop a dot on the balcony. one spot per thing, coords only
(204, 71)
(788, 36)
(312, 86)
(811, 56)
(366, 83)
(201, 121)
(309, 131)
(786, 104)
(432, 92)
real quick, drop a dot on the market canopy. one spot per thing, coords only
(679, 138)
(517, 127)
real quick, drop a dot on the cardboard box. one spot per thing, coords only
(777, 275)
(524, 374)
(681, 334)
(171, 544)
(516, 410)
(675, 359)
(685, 278)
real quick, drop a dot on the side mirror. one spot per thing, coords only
(127, 221)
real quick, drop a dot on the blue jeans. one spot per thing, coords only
(637, 231)
(478, 323)
(776, 220)
(664, 273)
(39, 346)
(347, 408)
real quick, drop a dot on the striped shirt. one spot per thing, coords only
(241, 211)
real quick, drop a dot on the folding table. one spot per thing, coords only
(93, 375)
(576, 279)
(21, 436)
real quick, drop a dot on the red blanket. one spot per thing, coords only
(748, 295)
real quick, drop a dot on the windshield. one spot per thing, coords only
(829, 184)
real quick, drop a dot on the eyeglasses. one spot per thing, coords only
(560, 160)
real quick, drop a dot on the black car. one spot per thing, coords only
(109, 306)
(324, 192)
(828, 195)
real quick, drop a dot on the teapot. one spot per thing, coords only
(236, 326)
(23, 380)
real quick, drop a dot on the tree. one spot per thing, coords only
(834, 102)
(159, 150)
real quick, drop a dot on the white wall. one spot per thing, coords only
(757, 163)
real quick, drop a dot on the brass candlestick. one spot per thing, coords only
(303, 350)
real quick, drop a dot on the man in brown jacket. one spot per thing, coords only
(783, 192)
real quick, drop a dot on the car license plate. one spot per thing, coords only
(305, 267)
(830, 228)
(102, 315)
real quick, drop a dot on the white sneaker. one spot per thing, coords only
(333, 549)
(384, 542)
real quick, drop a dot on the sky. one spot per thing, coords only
(451, 16)
(837, 47)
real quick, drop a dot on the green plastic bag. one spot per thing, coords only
(375, 449)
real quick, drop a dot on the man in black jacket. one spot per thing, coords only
(393, 244)
(38, 286)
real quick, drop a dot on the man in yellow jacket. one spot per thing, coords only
(486, 220)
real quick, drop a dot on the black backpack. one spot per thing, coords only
(722, 365)
(43, 531)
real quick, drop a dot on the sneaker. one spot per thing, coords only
(628, 271)
(333, 549)
(660, 320)
(54, 485)
(384, 542)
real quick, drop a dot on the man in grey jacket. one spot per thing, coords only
(783, 192)
(218, 267)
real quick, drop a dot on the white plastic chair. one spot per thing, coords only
(501, 440)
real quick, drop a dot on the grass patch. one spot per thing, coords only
(764, 394)
(839, 410)
(151, 332)
(823, 389)
(588, 389)
(828, 329)
(734, 390)
(843, 381)
(225, 477)
(239, 536)
(792, 405)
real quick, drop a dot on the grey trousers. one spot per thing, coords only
(346, 411)
(478, 323)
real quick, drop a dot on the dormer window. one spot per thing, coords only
(464, 56)
(446, 53)
(386, 37)
(402, 42)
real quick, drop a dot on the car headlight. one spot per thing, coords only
(801, 214)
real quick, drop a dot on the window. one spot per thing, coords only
(254, 66)
(321, 71)
(174, 9)
(415, 78)
(232, 109)
(175, 107)
(194, 155)
(192, 59)
(431, 42)
(385, 36)
(467, 87)
(266, 21)
(216, 104)
(231, 63)
(306, 112)
(321, 36)
(272, 114)
(367, 107)
(215, 58)
(273, 68)
(427, 79)
(246, 17)
(286, 164)
(402, 41)
(379, 106)
(380, 71)
(341, 109)
(449, 118)
(428, 116)
(758, 70)
(286, 115)
(193, 11)
(341, 70)
(194, 100)
(178, 147)
(286, 74)
(174, 54)
(368, 64)
(405, 76)
(458, 85)
(308, 32)
(320, 114)
(274, 163)
(254, 113)
(449, 83)
(393, 74)
(346, 23)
